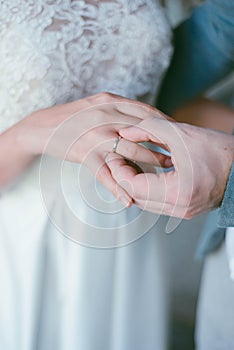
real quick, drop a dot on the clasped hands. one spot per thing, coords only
(200, 162)
(86, 130)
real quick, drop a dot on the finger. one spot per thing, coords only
(149, 191)
(136, 152)
(103, 174)
(159, 131)
(121, 171)
(162, 194)
(108, 117)
(161, 208)
(178, 141)
(169, 209)
(137, 133)
(140, 186)
(131, 114)
(139, 109)
(124, 105)
(139, 153)
(150, 200)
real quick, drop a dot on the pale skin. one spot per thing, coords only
(83, 131)
(202, 160)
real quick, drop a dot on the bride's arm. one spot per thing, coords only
(83, 131)
(13, 158)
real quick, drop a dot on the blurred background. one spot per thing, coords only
(185, 269)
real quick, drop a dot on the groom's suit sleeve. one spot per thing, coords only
(226, 212)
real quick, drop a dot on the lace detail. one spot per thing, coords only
(55, 51)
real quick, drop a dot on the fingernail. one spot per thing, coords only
(168, 163)
(125, 201)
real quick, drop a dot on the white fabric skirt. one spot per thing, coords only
(215, 314)
(59, 295)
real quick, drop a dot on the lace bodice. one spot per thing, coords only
(55, 51)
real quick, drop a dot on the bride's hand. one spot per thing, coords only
(85, 131)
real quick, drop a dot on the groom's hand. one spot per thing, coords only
(202, 160)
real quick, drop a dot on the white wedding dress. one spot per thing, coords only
(57, 294)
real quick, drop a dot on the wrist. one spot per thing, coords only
(31, 135)
(231, 148)
(24, 139)
(227, 160)
(228, 153)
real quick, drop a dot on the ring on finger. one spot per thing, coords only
(116, 142)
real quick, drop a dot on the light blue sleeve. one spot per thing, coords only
(214, 230)
(204, 54)
(226, 212)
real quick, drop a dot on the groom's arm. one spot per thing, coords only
(204, 54)
(226, 213)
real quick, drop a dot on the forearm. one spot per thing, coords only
(14, 158)
(82, 131)
(21, 144)
(207, 113)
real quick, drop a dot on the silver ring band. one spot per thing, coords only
(116, 144)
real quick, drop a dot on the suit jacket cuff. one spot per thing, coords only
(226, 213)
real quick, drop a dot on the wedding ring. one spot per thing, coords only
(116, 144)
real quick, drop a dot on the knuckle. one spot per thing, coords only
(105, 97)
(102, 173)
(189, 214)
